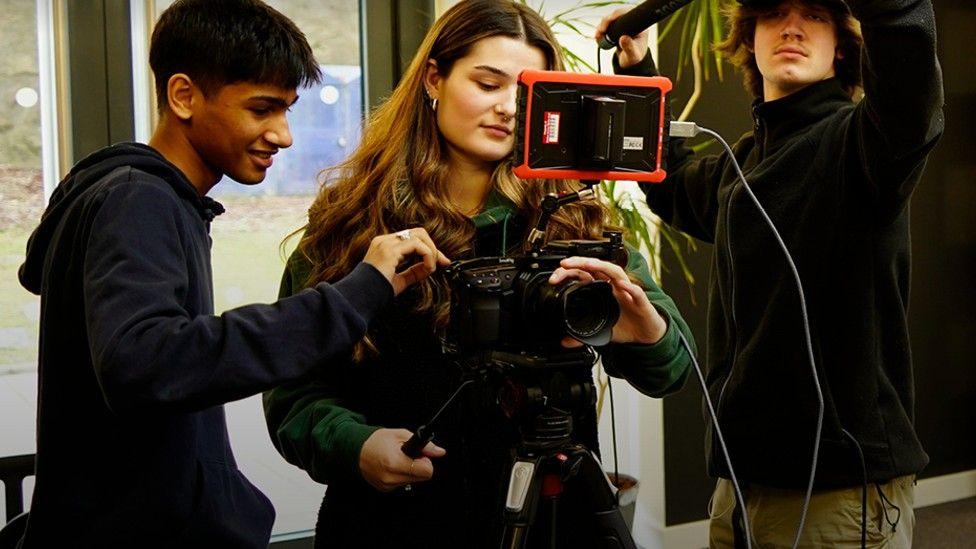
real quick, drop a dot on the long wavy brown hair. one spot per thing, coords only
(742, 32)
(397, 177)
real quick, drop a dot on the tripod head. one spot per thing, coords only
(543, 393)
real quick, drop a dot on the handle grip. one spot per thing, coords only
(414, 446)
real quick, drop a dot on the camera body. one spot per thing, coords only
(507, 303)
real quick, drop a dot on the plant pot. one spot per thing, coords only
(627, 487)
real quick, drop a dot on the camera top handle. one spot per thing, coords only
(553, 202)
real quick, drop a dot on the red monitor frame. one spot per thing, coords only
(529, 78)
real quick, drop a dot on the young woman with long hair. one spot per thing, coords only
(435, 155)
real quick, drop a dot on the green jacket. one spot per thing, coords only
(315, 427)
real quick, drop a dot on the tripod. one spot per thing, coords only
(545, 460)
(539, 391)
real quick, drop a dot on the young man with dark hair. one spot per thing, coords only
(835, 176)
(132, 445)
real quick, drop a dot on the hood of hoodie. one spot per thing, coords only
(87, 173)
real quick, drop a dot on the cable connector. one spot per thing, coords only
(683, 129)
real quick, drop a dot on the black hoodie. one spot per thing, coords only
(132, 445)
(835, 177)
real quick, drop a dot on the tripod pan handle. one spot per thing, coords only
(414, 447)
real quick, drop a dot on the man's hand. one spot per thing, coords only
(388, 251)
(639, 321)
(386, 467)
(630, 50)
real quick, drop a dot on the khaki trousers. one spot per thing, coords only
(833, 518)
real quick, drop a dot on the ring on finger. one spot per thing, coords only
(409, 487)
(403, 235)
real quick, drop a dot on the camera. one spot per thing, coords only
(507, 303)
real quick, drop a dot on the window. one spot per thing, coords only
(22, 159)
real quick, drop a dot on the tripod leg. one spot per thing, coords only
(553, 517)
(514, 537)
(521, 501)
(528, 483)
(612, 531)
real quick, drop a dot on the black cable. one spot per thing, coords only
(864, 489)
(613, 415)
(721, 440)
(613, 431)
(806, 328)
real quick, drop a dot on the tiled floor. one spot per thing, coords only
(296, 498)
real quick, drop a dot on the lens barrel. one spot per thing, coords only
(584, 311)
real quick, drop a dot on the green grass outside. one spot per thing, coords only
(13, 297)
(18, 307)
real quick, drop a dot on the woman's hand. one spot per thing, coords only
(384, 465)
(630, 50)
(639, 321)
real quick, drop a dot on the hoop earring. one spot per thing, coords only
(433, 104)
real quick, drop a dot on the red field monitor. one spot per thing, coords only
(591, 126)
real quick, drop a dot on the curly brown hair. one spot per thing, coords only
(737, 46)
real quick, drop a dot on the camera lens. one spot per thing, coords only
(589, 311)
(586, 312)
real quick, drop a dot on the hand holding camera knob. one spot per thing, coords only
(388, 251)
(639, 321)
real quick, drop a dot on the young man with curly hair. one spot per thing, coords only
(835, 173)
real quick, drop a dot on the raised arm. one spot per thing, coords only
(687, 199)
(900, 118)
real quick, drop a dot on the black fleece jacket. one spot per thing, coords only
(835, 177)
(132, 446)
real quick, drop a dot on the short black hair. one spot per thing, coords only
(221, 42)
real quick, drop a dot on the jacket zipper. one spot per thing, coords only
(735, 344)
(757, 126)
